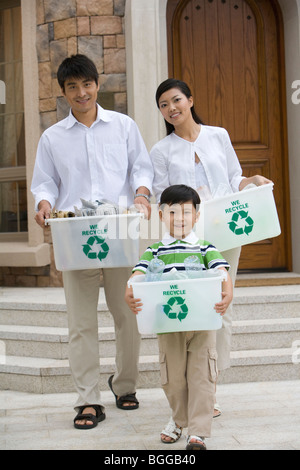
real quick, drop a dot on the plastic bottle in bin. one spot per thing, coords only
(192, 266)
(154, 271)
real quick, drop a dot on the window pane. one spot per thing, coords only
(7, 141)
(13, 207)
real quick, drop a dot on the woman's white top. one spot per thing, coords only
(173, 160)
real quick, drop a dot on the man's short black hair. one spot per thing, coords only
(77, 66)
(179, 194)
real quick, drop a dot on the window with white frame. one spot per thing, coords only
(13, 200)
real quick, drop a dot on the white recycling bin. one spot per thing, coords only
(239, 219)
(179, 305)
(105, 241)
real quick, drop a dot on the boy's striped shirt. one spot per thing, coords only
(174, 254)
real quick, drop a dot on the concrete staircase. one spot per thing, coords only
(34, 339)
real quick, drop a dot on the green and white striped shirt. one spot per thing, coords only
(173, 253)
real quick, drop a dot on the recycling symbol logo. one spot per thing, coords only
(96, 247)
(241, 223)
(176, 308)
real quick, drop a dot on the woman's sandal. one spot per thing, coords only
(217, 411)
(171, 430)
(100, 416)
(197, 445)
(120, 401)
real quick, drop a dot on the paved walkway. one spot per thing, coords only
(255, 416)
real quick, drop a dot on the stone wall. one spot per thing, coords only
(91, 27)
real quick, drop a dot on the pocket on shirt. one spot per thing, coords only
(115, 157)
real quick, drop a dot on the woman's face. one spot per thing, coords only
(175, 106)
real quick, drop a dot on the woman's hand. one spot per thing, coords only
(258, 180)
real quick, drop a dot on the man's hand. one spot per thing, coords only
(142, 205)
(43, 213)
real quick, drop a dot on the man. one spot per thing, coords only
(93, 154)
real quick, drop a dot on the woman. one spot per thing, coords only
(202, 157)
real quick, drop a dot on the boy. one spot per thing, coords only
(187, 359)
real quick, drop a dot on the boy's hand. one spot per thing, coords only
(133, 304)
(222, 306)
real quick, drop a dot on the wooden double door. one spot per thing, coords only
(231, 53)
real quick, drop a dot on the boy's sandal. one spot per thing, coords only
(171, 430)
(120, 401)
(217, 411)
(197, 445)
(100, 416)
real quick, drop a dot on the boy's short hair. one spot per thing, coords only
(77, 66)
(179, 194)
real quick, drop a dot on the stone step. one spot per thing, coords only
(37, 375)
(249, 303)
(52, 342)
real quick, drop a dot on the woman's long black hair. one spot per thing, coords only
(183, 87)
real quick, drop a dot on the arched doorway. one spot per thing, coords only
(231, 54)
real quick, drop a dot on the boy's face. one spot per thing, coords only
(179, 218)
(81, 94)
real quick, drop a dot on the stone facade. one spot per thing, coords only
(91, 27)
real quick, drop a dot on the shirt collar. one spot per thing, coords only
(102, 115)
(191, 239)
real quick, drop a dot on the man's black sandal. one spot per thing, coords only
(100, 416)
(130, 398)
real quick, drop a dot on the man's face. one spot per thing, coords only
(179, 219)
(81, 94)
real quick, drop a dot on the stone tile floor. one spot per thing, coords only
(255, 416)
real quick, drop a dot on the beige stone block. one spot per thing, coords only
(42, 43)
(58, 52)
(92, 46)
(47, 119)
(65, 28)
(26, 281)
(72, 46)
(45, 83)
(106, 25)
(121, 102)
(119, 7)
(114, 61)
(113, 83)
(120, 40)
(56, 90)
(95, 7)
(83, 26)
(48, 104)
(40, 13)
(56, 10)
(43, 281)
(109, 41)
